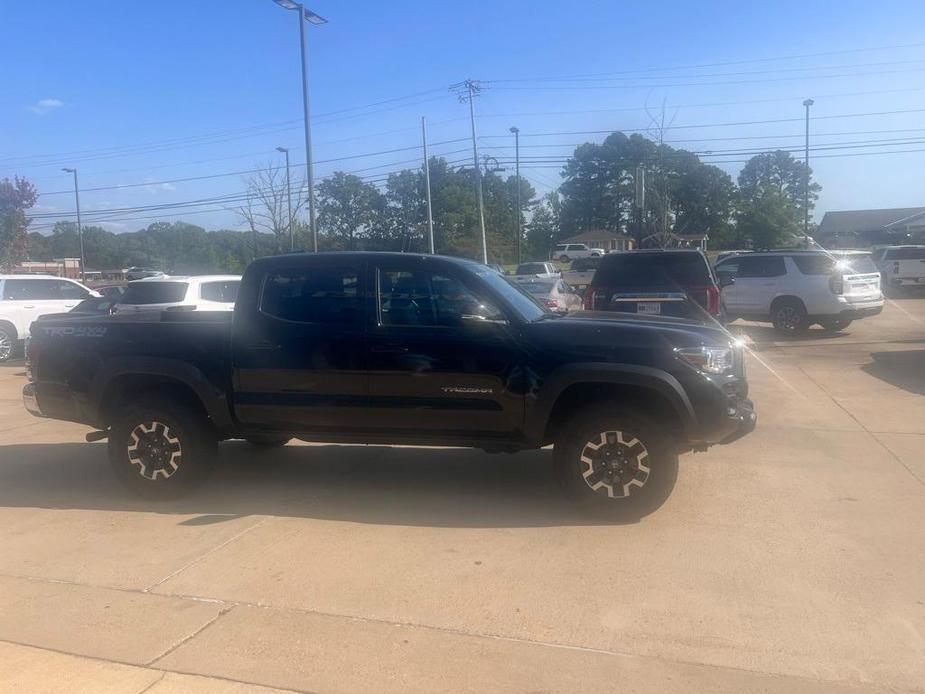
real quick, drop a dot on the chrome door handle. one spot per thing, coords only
(29, 306)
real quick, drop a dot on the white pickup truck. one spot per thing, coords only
(564, 252)
(581, 272)
(900, 265)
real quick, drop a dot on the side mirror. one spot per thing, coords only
(726, 279)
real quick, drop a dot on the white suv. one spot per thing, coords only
(205, 293)
(23, 298)
(794, 289)
(565, 252)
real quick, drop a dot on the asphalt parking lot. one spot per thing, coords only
(790, 561)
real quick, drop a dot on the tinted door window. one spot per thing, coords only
(143, 293)
(225, 292)
(69, 290)
(312, 295)
(761, 266)
(32, 290)
(420, 298)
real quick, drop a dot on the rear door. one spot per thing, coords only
(299, 348)
(756, 285)
(442, 359)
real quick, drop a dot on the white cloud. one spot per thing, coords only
(43, 106)
(154, 187)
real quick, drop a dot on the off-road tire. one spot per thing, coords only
(161, 450)
(7, 343)
(641, 451)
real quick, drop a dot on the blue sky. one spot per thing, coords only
(140, 93)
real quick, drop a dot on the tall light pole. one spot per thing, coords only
(430, 212)
(285, 151)
(467, 91)
(807, 104)
(80, 233)
(520, 230)
(304, 15)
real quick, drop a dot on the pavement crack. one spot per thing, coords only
(196, 632)
(205, 554)
(153, 684)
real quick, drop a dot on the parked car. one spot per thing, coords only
(581, 272)
(553, 293)
(564, 252)
(387, 348)
(540, 269)
(795, 289)
(205, 293)
(140, 273)
(900, 265)
(676, 282)
(23, 298)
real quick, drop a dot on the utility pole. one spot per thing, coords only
(80, 233)
(520, 227)
(807, 104)
(306, 15)
(285, 151)
(640, 180)
(472, 88)
(430, 213)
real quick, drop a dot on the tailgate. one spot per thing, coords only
(862, 287)
(908, 269)
(674, 304)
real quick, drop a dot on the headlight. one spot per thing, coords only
(708, 360)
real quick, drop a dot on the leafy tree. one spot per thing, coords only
(348, 208)
(768, 222)
(543, 229)
(16, 197)
(779, 173)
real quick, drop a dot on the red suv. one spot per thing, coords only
(676, 282)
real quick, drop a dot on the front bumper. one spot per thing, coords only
(744, 420)
(30, 401)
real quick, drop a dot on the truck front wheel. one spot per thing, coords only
(614, 461)
(161, 450)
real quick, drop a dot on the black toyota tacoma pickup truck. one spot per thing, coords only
(384, 348)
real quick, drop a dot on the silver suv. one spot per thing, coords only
(795, 289)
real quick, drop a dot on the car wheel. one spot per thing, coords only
(7, 343)
(161, 450)
(614, 461)
(789, 318)
(833, 325)
(267, 441)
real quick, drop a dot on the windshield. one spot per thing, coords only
(535, 287)
(148, 292)
(520, 300)
(634, 270)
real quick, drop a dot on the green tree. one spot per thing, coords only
(778, 173)
(16, 197)
(348, 209)
(768, 222)
(543, 229)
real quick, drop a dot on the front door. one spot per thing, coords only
(441, 358)
(299, 350)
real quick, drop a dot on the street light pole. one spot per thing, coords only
(807, 104)
(520, 231)
(80, 234)
(304, 15)
(285, 151)
(430, 213)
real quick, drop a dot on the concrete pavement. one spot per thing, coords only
(789, 561)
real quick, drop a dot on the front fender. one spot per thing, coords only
(550, 389)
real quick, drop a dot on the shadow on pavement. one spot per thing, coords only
(904, 370)
(764, 336)
(382, 485)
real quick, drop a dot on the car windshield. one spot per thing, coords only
(536, 287)
(634, 270)
(520, 300)
(148, 292)
(532, 269)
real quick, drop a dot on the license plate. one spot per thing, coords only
(650, 307)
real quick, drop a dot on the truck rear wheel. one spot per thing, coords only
(616, 462)
(160, 450)
(7, 343)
